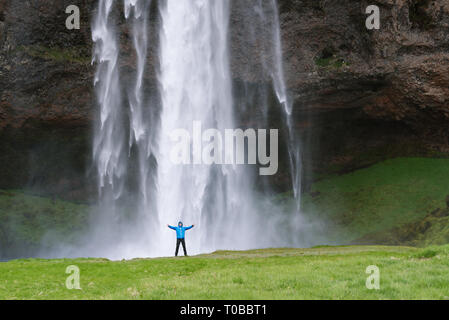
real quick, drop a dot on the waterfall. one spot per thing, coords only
(140, 136)
(294, 148)
(195, 86)
(108, 145)
(196, 94)
(109, 152)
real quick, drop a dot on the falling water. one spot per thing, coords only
(109, 145)
(140, 40)
(281, 93)
(118, 232)
(195, 87)
(136, 13)
(109, 142)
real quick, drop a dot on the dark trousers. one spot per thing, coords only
(183, 246)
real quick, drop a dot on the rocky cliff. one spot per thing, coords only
(359, 95)
(368, 93)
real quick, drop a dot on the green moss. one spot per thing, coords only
(425, 254)
(27, 219)
(381, 197)
(330, 63)
(72, 55)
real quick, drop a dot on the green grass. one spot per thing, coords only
(318, 273)
(378, 198)
(438, 233)
(27, 219)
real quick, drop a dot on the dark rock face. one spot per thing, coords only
(45, 97)
(359, 95)
(368, 91)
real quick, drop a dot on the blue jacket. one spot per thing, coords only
(180, 231)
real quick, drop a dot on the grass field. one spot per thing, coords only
(378, 198)
(394, 197)
(317, 273)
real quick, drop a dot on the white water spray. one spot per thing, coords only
(280, 87)
(108, 143)
(195, 85)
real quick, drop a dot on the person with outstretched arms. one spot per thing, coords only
(180, 236)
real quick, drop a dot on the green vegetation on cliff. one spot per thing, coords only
(26, 221)
(77, 55)
(391, 194)
(330, 63)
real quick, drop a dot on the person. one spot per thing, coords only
(180, 235)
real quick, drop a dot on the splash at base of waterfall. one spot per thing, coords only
(141, 188)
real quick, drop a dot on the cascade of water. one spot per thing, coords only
(109, 141)
(265, 45)
(195, 88)
(109, 151)
(140, 40)
(136, 12)
(281, 92)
